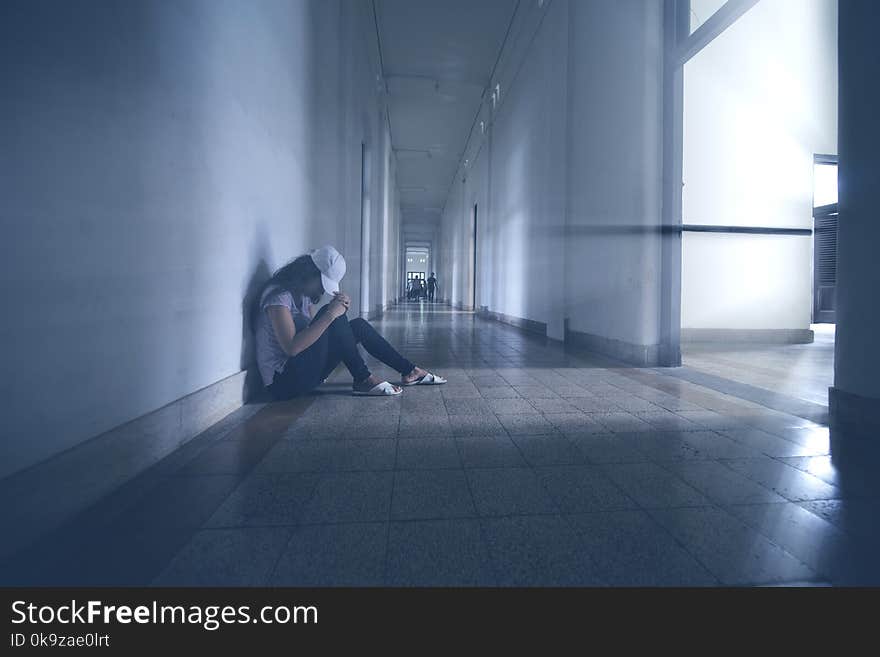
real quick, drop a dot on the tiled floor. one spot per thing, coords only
(532, 466)
(803, 371)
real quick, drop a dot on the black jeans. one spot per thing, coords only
(308, 369)
(430, 293)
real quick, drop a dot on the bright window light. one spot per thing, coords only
(824, 184)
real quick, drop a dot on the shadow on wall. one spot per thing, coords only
(254, 391)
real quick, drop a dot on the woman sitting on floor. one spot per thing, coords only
(298, 348)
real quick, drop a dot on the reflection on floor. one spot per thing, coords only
(804, 371)
(532, 466)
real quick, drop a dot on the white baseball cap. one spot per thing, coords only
(332, 266)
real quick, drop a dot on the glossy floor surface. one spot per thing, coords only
(532, 466)
(804, 371)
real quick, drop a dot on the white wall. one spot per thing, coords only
(159, 160)
(615, 171)
(759, 101)
(568, 176)
(517, 179)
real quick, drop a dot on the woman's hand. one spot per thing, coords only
(342, 296)
(336, 308)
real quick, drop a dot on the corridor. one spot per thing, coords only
(532, 466)
(638, 237)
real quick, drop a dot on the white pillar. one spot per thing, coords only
(854, 399)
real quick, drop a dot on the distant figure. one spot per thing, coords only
(432, 285)
(417, 289)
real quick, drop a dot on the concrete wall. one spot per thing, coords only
(570, 170)
(760, 100)
(159, 160)
(516, 177)
(856, 394)
(615, 90)
(526, 198)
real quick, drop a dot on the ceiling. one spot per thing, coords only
(437, 57)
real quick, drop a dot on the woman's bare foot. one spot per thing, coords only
(417, 373)
(370, 382)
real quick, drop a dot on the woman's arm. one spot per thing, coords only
(285, 330)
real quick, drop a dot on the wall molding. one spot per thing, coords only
(641, 355)
(767, 336)
(42, 497)
(528, 325)
(744, 230)
(847, 410)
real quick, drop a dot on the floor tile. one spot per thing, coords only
(427, 454)
(653, 487)
(509, 491)
(721, 484)
(538, 551)
(350, 554)
(350, 497)
(548, 450)
(329, 456)
(732, 551)
(438, 553)
(431, 494)
(266, 499)
(631, 549)
(489, 452)
(791, 483)
(526, 424)
(814, 541)
(226, 557)
(610, 448)
(583, 489)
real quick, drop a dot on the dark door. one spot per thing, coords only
(365, 231)
(824, 238)
(474, 270)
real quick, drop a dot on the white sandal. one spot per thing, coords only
(383, 389)
(427, 380)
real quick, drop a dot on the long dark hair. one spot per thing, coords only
(295, 273)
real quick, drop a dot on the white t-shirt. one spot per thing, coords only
(271, 357)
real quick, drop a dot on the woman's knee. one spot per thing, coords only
(360, 327)
(333, 322)
(340, 323)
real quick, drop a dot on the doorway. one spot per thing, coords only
(473, 290)
(824, 237)
(365, 232)
(416, 272)
(416, 287)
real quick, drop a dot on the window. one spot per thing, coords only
(824, 181)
